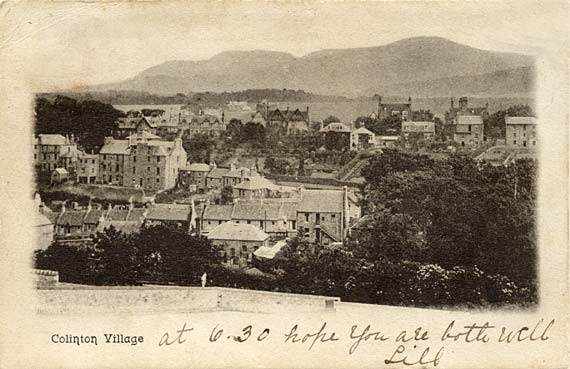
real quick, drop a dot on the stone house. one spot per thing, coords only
(87, 168)
(177, 215)
(238, 242)
(418, 130)
(324, 216)
(521, 131)
(48, 149)
(469, 130)
(401, 110)
(214, 179)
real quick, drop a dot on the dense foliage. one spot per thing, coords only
(89, 121)
(156, 254)
(495, 123)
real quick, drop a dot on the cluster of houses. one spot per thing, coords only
(146, 152)
(463, 125)
(322, 217)
(142, 160)
(190, 121)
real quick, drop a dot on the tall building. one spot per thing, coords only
(48, 149)
(521, 131)
(142, 161)
(469, 130)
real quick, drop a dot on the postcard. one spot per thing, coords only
(313, 184)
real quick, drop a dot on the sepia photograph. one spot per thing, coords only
(229, 161)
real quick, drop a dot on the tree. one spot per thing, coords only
(73, 264)
(363, 121)
(330, 119)
(227, 195)
(117, 256)
(171, 254)
(234, 129)
(89, 121)
(453, 213)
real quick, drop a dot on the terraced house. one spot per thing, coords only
(143, 161)
(48, 150)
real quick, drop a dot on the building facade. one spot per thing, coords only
(521, 132)
(469, 130)
(48, 149)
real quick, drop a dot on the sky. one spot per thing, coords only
(65, 44)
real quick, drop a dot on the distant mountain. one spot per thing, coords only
(425, 66)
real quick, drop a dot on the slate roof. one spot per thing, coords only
(74, 152)
(73, 217)
(199, 167)
(288, 210)
(175, 212)
(126, 227)
(287, 115)
(93, 216)
(363, 131)
(127, 122)
(469, 119)
(256, 183)
(255, 211)
(238, 172)
(218, 212)
(240, 232)
(321, 201)
(115, 147)
(117, 213)
(136, 214)
(396, 106)
(51, 139)
(269, 252)
(60, 171)
(520, 120)
(218, 172)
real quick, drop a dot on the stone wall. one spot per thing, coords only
(156, 299)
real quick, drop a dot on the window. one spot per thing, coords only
(104, 157)
(333, 216)
(533, 143)
(93, 161)
(306, 217)
(148, 159)
(35, 156)
(158, 171)
(134, 170)
(514, 142)
(134, 158)
(92, 170)
(244, 248)
(514, 134)
(117, 168)
(158, 159)
(294, 224)
(148, 169)
(158, 180)
(249, 222)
